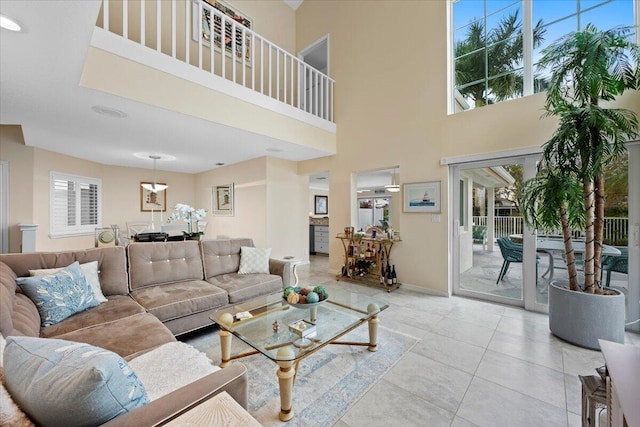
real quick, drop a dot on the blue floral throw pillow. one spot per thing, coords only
(66, 383)
(60, 295)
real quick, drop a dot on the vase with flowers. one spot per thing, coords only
(189, 215)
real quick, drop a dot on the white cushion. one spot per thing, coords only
(169, 367)
(90, 271)
(254, 260)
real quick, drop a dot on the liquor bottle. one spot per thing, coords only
(350, 251)
(394, 278)
(350, 270)
(367, 252)
(389, 278)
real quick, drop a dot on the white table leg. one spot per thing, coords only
(373, 333)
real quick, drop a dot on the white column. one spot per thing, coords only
(491, 217)
(28, 237)
(633, 297)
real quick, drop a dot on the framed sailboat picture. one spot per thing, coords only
(421, 197)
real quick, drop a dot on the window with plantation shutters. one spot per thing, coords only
(76, 206)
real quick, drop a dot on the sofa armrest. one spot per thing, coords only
(281, 268)
(232, 379)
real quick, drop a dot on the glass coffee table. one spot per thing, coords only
(287, 334)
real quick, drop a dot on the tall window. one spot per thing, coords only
(497, 43)
(76, 206)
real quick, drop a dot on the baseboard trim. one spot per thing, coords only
(424, 290)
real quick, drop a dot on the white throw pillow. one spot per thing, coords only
(90, 271)
(254, 260)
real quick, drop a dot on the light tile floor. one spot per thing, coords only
(475, 364)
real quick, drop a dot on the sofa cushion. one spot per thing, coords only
(162, 370)
(60, 295)
(10, 412)
(90, 271)
(7, 295)
(26, 319)
(176, 300)
(242, 287)
(152, 264)
(117, 307)
(254, 260)
(112, 265)
(128, 336)
(62, 383)
(222, 256)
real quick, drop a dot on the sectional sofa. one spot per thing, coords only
(154, 292)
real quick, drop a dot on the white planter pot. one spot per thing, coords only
(582, 319)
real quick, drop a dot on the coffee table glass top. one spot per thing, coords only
(334, 317)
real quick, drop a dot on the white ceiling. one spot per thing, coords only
(40, 70)
(367, 180)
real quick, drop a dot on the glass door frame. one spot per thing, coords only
(529, 280)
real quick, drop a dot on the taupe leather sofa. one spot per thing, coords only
(159, 294)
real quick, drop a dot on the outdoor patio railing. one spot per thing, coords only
(616, 230)
(185, 29)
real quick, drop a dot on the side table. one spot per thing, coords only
(220, 410)
(295, 262)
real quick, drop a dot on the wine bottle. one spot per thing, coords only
(394, 277)
(389, 278)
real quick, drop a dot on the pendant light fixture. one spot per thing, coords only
(393, 187)
(154, 187)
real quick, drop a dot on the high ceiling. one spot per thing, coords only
(40, 69)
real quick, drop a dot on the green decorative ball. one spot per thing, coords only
(321, 291)
(287, 291)
(312, 297)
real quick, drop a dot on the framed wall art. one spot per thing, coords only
(242, 42)
(421, 197)
(321, 204)
(223, 200)
(152, 202)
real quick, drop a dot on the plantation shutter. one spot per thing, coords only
(75, 204)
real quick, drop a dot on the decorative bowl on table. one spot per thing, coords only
(305, 297)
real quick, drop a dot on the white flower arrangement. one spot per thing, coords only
(187, 214)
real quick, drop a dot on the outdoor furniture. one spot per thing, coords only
(619, 264)
(555, 245)
(480, 235)
(511, 252)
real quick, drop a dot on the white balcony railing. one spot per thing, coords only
(616, 230)
(172, 27)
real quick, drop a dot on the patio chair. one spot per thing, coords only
(619, 264)
(480, 235)
(511, 252)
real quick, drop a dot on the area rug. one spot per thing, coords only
(328, 383)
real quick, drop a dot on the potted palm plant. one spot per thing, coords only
(589, 68)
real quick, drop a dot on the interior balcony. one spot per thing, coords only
(189, 57)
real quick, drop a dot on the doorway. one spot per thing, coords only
(315, 55)
(494, 251)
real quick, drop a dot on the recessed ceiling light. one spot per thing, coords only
(320, 178)
(219, 164)
(109, 112)
(9, 23)
(274, 150)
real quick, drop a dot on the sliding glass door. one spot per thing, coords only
(494, 252)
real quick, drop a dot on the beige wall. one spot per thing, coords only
(20, 158)
(250, 200)
(270, 204)
(287, 215)
(391, 109)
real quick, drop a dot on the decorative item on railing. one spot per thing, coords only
(186, 213)
(247, 58)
